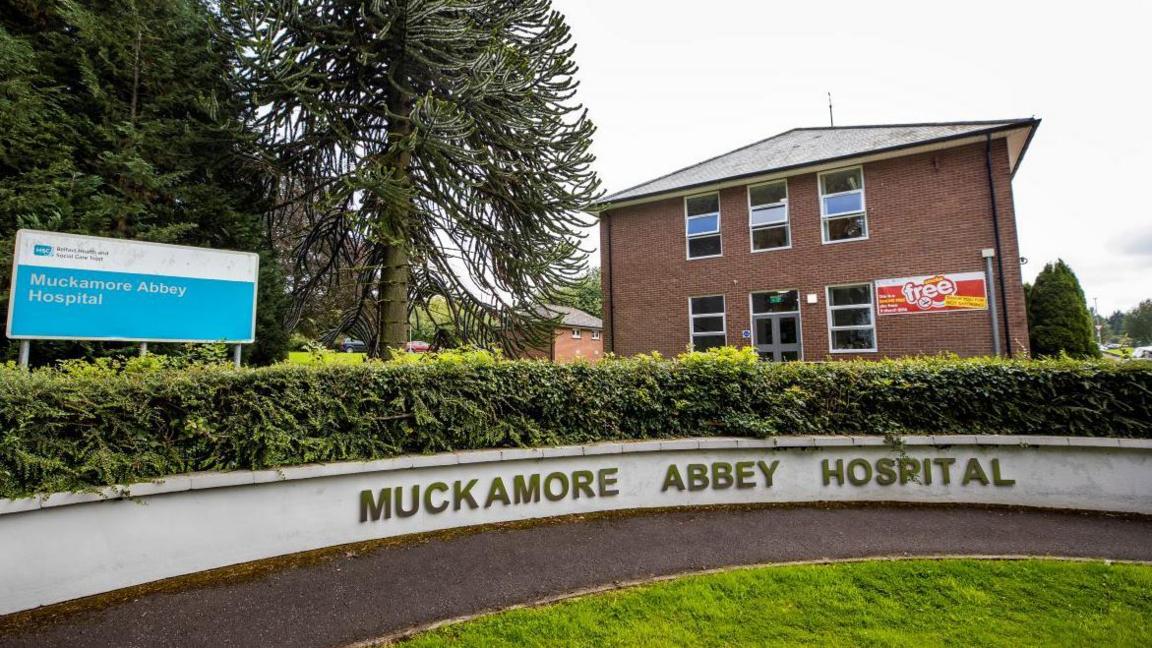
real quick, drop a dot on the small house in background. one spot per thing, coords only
(577, 336)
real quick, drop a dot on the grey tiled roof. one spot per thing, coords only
(574, 317)
(806, 146)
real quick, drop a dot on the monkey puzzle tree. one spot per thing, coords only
(432, 146)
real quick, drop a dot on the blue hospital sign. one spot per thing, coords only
(67, 286)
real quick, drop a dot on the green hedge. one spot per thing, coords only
(85, 425)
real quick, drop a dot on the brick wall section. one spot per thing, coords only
(927, 213)
(566, 349)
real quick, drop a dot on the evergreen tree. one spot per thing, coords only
(1058, 318)
(118, 118)
(585, 295)
(440, 134)
(1116, 323)
(1138, 323)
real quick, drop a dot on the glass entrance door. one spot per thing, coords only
(778, 337)
(776, 325)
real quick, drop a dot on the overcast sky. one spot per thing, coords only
(672, 83)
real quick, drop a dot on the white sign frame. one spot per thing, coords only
(233, 262)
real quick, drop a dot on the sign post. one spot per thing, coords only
(74, 287)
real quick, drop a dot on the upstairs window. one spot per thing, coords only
(851, 322)
(708, 327)
(842, 205)
(575, 334)
(768, 216)
(702, 226)
(595, 334)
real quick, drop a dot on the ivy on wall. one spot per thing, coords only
(87, 425)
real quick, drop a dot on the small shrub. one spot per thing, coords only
(297, 342)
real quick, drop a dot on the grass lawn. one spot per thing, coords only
(327, 357)
(882, 603)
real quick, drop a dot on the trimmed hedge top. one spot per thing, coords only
(84, 425)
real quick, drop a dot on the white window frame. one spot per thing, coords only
(831, 328)
(799, 316)
(824, 217)
(692, 319)
(787, 217)
(688, 238)
(575, 334)
(595, 334)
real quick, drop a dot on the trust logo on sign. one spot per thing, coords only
(42, 250)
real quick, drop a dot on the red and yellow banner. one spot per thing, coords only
(932, 293)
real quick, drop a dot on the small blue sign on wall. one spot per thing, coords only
(67, 286)
(746, 334)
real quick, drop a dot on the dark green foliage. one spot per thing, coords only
(1058, 318)
(118, 118)
(1115, 321)
(585, 295)
(1138, 323)
(94, 426)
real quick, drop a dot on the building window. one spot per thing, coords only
(851, 322)
(575, 334)
(708, 324)
(768, 216)
(595, 334)
(842, 205)
(702, 226)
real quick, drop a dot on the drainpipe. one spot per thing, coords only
(611, 310)
(988, 253)
(998, 251)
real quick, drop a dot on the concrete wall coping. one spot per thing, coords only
(206, 480)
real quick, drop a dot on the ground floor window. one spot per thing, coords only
(776, 325)
(708, 326)
(851, 321)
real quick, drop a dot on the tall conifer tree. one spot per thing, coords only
(1058, 318)
(117, 118)
(435, 148)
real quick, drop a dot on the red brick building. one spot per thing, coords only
(579, 336)
(825, 243)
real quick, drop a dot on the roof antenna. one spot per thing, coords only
(831, 122)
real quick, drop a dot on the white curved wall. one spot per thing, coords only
(72, 545)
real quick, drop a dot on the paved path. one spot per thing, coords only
(353, 598)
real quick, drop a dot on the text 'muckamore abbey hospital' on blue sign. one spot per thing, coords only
(68, 286)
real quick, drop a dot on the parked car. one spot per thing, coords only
(353, 346)
(357, 346)
(417, 346)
